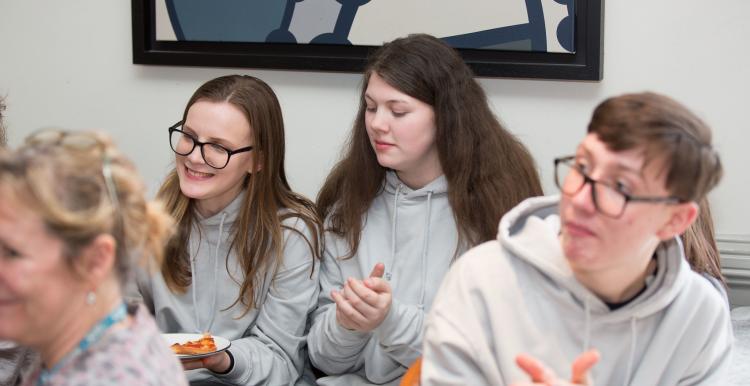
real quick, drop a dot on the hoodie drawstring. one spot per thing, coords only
(195, 284)
(425, 244)
(633, 341)
(389, 267)
(587, 325)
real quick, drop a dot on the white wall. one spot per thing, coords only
(68, 63)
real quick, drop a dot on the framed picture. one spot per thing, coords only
(552, 39)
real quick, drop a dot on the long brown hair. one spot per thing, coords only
(257, 235)
(488, 170)
(701, 250)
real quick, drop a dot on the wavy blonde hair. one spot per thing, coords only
(67, 187)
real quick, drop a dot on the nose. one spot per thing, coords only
(195, 157)
(583, 200)
(377, 121)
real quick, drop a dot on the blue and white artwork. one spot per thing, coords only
(515, 25)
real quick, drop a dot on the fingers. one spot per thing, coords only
(344, 309)
(535, 369)
(378, 285)
(192, 364)
(582, 365)
(378, 270)
(361, 298)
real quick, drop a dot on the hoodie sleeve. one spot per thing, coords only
(273, 352)
(333, 348)
(138, 289)
(400, 333)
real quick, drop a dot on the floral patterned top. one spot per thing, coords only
(132, 356)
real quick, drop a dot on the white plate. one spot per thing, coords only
(221, 343)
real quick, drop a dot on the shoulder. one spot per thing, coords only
(703, 302)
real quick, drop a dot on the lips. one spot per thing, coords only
(578, 230)
(196, 175)
(380, 145)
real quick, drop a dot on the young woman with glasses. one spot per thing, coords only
(73, 221)
(242, 265)
(427, 173)
(595, 280)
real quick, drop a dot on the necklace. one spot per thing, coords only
(95, 333)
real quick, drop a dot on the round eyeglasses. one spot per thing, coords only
(608, 200)
(215, 155)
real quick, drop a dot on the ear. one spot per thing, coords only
(256, 164)
(98, 259)
(682, 217)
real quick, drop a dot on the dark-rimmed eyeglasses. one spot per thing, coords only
(608, 200)
(215, 155)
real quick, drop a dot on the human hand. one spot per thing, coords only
(542, 376)
(218, 363)
(363, 304)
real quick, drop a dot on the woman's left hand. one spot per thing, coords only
(366, 302)
(218, 363)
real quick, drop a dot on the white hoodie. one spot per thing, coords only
(268, 343)
(414, 234)
(518, 295)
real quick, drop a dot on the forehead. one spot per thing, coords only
(634, 161)
(378, 88)
(17, 219)
(217, 120)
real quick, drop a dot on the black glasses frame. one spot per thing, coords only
(200, 144)
(588, 180)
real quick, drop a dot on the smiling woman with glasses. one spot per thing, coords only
(594, 280)
(73, 222)
(242, 265)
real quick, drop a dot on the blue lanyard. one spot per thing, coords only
(117, 315)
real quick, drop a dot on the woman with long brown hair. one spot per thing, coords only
(427, 173)
(243, 263)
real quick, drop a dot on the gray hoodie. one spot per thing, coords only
(518, 295)
(268, 344)
(414, 234)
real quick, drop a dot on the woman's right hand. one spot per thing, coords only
(542, 376)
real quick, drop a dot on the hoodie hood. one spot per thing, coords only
(531, 232)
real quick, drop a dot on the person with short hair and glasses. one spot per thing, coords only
(73, 221)
(592, 287)
(243, 264)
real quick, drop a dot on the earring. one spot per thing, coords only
(90, 298)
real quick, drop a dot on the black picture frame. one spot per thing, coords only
(584, 64)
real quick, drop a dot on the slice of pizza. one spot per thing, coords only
(204, 345)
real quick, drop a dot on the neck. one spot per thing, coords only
(619, 284)
(419, 180)
(74, 327)
(209, 207)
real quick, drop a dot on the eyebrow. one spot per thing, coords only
(220, 141)
(619, 166)
(390, 101)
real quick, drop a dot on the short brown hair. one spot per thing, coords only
(667, 131)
